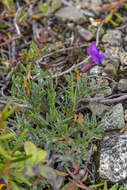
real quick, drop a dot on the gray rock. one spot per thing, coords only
(96, 70)
(113, 119)
(98, 109)
(70, 14)
(107, 91)
(84, 33)
(93, 5)
(125, 47)
(110, 70)
(112, 55)
(112, 37)
(122, 85)
(113, 157)
(123, 58)
(125, 39)
(125, 115)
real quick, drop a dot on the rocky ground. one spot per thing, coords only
(68, 28)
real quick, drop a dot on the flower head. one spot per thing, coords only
(94, 53)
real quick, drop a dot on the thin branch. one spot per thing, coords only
(72, 68)
(15, 103)
(15, 21)
(60, 50)
(98, 32)
(122, 27)
(77, 182)
(104, 101)
(103, 77)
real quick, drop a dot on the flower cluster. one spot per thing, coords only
(95, 55)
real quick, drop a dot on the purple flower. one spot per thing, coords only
(95, 55)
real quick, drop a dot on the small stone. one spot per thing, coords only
(96, 70)
(82, 172)
(123, 58)
(98, 109)
(71, 25)
(125, 48)
(125, 39)
(70, 14)
(103, 82)
(113, 157)
(113, 119)
(111, 70)
(107, 91)
(113, 85)
(122, 85)
(94, 5)
(84, 33)
(112, 37)
(125, 115)
(112, 55)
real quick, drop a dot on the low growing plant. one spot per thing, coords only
(19, 168)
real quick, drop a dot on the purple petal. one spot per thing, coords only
(94, 53)
(92, 50)
(96, 59)
(102, 56)
(86, 67)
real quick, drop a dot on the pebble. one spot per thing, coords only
(96, 70)
(70, 14)
(84, 33)
(94, 5)
(107, 91)
(113, 119)
(123, 58)
(125, 114)
(112, 37)
(112, 55)
(110, 70)
(97, 108)
(122, 85)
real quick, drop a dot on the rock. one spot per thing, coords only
(125, 39)
(112, 55)
(122, 85)
(94, 5)
(70, 14)
(123, 58)
(98, 109)
(107, 91)
(125, 115)
(125, 48)
(103, 82)
(110, 70)
(112, 37)
(85, 34)
(71, 25)
(113, 85)
(113, 157)
(96, 70)
(113, 119)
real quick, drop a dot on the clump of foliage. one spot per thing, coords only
(18, 168)
(50, 114)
